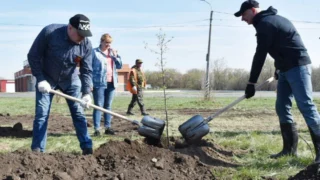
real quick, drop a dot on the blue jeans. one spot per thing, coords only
(43, 105)
(103, 97)
(296, 83)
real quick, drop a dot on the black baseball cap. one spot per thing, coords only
(82, 24)
(245, 6)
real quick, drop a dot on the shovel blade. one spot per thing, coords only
(194, 129)
(153, 122)
(151, 127)
(196, 134)
(149, 132)
(190, 124)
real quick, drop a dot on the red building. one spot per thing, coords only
(123, 75)
(24, 81)
(7, 85)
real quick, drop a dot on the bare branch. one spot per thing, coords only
(162, 45)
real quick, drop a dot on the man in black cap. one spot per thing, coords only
(277, 36)
(53, 57)
(137, 82)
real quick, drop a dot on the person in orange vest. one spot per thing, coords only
(137, 82)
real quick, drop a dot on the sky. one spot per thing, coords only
(132, 23)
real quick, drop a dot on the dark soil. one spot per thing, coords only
(312, 172)
(116, 160)
(119, 160)
(57, 124)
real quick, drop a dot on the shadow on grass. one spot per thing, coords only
(61, 134)
(208, 154)
(14, 132)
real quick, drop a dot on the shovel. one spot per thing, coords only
(149, 127)
(196, 127)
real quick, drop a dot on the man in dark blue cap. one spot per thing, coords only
(54, 57)
(277, 36)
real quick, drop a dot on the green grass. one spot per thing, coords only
(256, 163)
(20, 106)
(251, 127)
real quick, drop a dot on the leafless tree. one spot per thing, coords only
(267, 72)
(162, 43)
(316, 78)
(193, 79)
(172, 76)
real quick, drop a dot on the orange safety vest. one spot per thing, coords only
(129, 85)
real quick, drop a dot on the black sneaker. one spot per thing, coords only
(87, 151)
(130, 113)
(144, 114)
(96, 133)
(109, 131)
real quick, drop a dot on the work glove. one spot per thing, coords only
(250, 91)
(44, 86)
(134, 88)
(276, 74)
(86, 100)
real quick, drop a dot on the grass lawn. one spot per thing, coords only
(251, 127)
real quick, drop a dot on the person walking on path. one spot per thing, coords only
(137, 82)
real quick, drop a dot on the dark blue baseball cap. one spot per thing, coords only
(245, 6)
(82, 24)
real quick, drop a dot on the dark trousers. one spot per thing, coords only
(137, 98)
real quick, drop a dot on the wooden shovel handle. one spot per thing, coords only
(94, 106)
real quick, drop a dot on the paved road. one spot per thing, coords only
(173, 93)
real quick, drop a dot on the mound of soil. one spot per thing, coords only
(119, 160)
(29, 165)
(311, 172)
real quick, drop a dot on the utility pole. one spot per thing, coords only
(207, 86)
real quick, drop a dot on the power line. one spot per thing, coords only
(219, 12)
(165, 25)
(186, 22)
(174, 25)
(298, 21)
(306, 22)
(11, 24)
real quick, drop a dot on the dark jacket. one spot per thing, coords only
(277, 36)
(54, 57)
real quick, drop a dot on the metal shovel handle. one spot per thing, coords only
(95, 107)
(208, 119)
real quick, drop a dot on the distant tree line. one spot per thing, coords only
(221, 77)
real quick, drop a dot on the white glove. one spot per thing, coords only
(86, 100)
(134, 88)
(44, 86)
